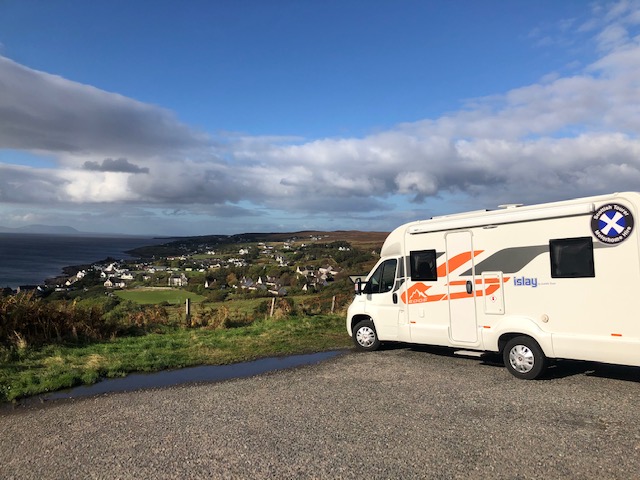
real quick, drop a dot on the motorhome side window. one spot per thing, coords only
(384, 278)
(423, 265)
(572, 257)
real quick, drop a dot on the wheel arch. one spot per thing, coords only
(358, 318)
(516, 326)
(508, 336)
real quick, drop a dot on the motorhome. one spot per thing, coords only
(533, 283)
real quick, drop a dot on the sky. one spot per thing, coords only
(205, 117)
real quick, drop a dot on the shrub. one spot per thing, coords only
(26, 320)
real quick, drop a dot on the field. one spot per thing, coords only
(154, 296)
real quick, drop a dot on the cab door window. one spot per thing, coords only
(384, 278)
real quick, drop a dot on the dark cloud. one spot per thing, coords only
(111, 165)
(24, 185)
(39, 111)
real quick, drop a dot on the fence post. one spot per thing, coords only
(333, 304)
(188, 311)
(273, 306)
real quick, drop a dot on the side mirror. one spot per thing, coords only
(359, 287)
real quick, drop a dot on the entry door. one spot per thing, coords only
(462, 304)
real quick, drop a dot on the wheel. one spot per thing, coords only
(365, 336)
(524, 358)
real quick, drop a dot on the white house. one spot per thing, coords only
(114, 282)
(178, 280)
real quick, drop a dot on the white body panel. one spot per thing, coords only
(503, 258)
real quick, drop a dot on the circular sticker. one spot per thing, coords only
(612, 223)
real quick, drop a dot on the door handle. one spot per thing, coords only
(395, 298)
(469, 287)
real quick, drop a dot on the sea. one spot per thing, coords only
(29, 259)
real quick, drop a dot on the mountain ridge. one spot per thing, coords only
(42, 229)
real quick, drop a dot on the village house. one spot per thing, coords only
(178, 280)
(327, 273)
(30, 288)
(113, 268)
(73, 279)
(236, 262)
(306, 271)
(115, 282)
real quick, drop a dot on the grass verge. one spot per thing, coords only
(34, 371)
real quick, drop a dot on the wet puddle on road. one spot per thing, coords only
(205, 373)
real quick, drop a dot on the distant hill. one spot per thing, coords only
(42, 229)
(352, 236)
(176, 246)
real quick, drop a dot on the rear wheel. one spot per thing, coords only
(365, 336)
(524, 358)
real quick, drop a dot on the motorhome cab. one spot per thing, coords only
(551, 281)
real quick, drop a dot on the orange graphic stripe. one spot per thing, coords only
(423, 297)
(457, 262)
(478, 281)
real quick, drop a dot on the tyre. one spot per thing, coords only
(524, 358)
(365, 336)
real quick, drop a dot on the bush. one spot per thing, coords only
(26, 320)
(217, 295)
(262, 309)
(221, 318)
(285, 307)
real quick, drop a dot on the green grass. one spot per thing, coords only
(153, 296)
(53, 367)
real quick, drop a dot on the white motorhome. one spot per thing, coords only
(551, 281)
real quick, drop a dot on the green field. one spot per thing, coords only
(154, 296)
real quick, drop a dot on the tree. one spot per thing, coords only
(232, 279)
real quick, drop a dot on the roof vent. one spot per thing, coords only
(511, 205)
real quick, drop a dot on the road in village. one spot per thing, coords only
(395, 413)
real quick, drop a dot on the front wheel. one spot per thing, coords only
(365, 336)
(524, 358)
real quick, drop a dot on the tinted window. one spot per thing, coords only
(384, 278)
(572, 257)
(423, 265)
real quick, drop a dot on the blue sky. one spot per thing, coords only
(197, 117)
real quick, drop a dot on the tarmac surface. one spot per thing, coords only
(401, 412)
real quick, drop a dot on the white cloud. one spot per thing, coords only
(98, 187)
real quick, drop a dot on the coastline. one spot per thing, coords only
(33, 259)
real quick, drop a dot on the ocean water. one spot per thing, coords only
(29, 259)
